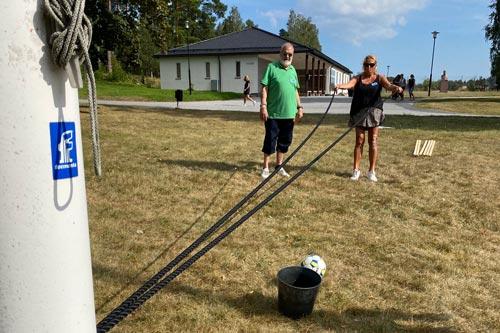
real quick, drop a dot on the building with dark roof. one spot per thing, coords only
(220, 63)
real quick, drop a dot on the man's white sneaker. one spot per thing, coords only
(283, 173)
(371, 176)
(265, 173)
(355, 174)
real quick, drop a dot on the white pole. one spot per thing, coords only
(45, 264)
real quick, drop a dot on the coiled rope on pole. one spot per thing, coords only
(151, 287)
(72, 40)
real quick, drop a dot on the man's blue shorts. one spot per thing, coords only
(279, 135)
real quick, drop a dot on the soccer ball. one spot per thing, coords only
(314, 262)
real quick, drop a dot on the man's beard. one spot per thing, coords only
(285, 63)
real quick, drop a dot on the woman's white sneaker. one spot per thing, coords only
(265, 173)
(371, 176)
(355, 174)
(284, 173)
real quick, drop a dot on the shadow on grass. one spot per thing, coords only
(222, 166)
(250, 166)
(309, 119)
(351, 320)
(379, 320)
(247, 166)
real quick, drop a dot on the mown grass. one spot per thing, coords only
(415, 252)
(138, 92)
(466, 102)
(488, 105)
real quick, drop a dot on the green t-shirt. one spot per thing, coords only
(282, 85)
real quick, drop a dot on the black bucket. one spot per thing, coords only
(297, 290)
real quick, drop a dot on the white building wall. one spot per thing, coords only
(225, 76)
(168, 74)
(230, 82)
(199, 81)
(338, 76)
(249, 65)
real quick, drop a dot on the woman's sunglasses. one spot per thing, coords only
(369, 64)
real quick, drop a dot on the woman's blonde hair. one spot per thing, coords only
(370, 57)
(246, 78)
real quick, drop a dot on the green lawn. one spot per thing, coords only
(138, 92)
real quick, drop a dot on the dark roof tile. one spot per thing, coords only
(248, 41)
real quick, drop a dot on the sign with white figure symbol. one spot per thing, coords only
(63, 147)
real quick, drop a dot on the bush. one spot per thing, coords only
(152, 82)
(117, 75)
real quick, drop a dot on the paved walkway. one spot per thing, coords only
(316, 104)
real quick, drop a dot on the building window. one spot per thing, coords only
(238, 69)
(207, 70)
(179, 70)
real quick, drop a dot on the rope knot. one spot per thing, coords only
(73, 30)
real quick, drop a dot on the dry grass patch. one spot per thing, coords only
(417, 251)
(489, 105)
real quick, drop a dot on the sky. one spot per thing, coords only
(397, 32)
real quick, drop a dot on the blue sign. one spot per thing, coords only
(63, 146)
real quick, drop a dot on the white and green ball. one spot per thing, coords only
(314, 262)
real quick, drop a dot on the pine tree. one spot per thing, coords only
(302, 30)
(492, 33)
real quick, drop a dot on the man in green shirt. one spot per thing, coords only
(280, 106)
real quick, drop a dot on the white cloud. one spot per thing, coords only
(359, 20)
(273, 16)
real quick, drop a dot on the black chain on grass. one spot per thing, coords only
(118, 316)
(137, 298)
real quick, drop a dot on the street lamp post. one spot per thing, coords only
(189, 62)
(434, 35)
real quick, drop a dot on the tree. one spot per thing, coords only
(231, 23)
(166, 20)
(301, 30)
(149, 66)
(118, 26)
(250, 24)
(207, 16)
(492, 32)
(109, 30)
(283, 33)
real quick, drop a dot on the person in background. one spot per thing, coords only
(411, 86)
(402, 84)
(367, 101)
(395, 81)
(280, 107)
(246, 91)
